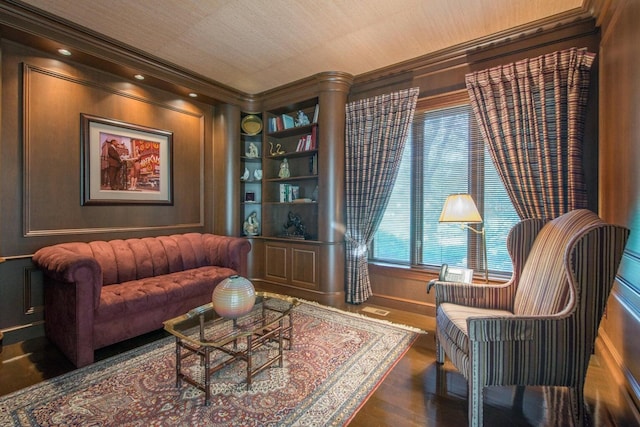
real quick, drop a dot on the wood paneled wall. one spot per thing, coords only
(40, 168)
(619, 190)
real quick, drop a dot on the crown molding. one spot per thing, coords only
(25, 24)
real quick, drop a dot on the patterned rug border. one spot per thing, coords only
(67, 383)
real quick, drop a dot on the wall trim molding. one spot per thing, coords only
(79, 231)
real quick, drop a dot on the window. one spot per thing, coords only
(445, 154)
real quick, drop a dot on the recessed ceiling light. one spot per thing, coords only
(193, 95)
(139, 76)
(64, 52)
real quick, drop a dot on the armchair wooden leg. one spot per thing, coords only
(476, 388)
(578, 409)
(439, 352)
(441, 380)
(518, 399)
(475, 404)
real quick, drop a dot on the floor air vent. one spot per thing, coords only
(377, 311)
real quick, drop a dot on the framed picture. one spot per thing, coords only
(123, 163)
(249, 196)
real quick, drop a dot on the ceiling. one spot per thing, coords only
(256, 45)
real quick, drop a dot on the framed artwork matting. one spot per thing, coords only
(124, 163)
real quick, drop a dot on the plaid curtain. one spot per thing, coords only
(531, 115)
(376, 133)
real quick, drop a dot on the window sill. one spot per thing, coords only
(426, 273)
(402, 271)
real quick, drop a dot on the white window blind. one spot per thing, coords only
(444, 155)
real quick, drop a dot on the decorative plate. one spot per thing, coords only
(251, 124)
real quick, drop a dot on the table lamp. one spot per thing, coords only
(460, 208)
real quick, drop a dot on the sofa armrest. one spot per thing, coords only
(66, 266)
(502, 328)
(498, 296)
(541, 350)
(227, 251)
(518, 328)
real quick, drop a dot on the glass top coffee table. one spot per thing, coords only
(202, 332)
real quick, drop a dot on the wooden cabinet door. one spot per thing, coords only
(292, 264)
(304, 266)
(276, 266)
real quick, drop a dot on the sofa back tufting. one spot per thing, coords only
(134, 259)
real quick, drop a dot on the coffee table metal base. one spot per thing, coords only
(228, 341)
(278, 334)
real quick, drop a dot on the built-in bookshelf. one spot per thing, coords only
(290, 188)
(299, 247)
(252, 174)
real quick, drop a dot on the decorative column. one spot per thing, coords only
(333, 90)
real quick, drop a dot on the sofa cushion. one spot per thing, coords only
(543, 288)
(452, 321)
(136, 296)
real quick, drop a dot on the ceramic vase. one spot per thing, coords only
(233, 297)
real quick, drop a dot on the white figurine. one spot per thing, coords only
(251, 225)
(252, 153)
(302, 119)
(257, 174)
(245, 175)
(284, 169)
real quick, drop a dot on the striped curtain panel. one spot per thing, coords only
(531, 115)
(376, 133)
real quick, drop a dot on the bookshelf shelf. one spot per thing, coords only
(293, 178)
(296, 130)
(305, 153)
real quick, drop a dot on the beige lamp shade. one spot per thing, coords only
(460, 208)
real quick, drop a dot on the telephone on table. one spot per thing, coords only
(452, 274)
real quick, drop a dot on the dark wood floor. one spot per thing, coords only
(407, 397)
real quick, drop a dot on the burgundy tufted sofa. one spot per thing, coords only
(100, 293)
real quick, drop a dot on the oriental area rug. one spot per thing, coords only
(337, 361)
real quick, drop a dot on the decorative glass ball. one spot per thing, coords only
(233, 297)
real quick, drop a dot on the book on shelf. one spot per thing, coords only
(313, 164)
(314, 137)
(287, 121)
(288, 193)
(304, 143)
(275, 124)
(315, 113)
(308, 142)
(283, 192)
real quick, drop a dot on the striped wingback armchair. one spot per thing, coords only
(540, 327)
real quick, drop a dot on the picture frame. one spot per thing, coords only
(249, 196)
(125, 163)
